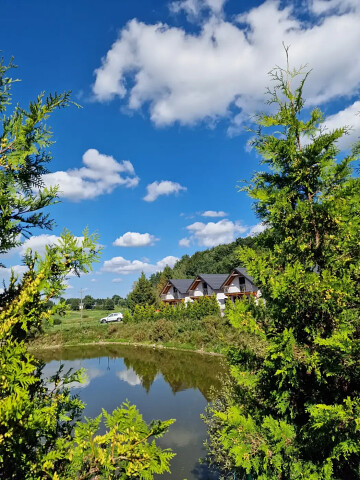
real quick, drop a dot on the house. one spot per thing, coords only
(176, 291)
(238, 284)
(207, 285)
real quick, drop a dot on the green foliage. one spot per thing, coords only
(24, 140)
(182, 311)
(127, 317)
(295, 407)
(122, 452)
(143, 293)
(38, 437)
(220, 259)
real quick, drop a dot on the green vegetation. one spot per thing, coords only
(143, 293)
(293, 410)
(40, 436)
(211, 333)
(193, 326)
(89, 303)
(196, 310)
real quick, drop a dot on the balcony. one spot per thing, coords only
(232, 291)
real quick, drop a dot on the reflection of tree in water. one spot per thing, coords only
(181, 370)
(145, 370)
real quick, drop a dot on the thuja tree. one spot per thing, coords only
(294, 408)
(40, 435)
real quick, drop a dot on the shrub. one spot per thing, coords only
(162, 331)
(127, 318)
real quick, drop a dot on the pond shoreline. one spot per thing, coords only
(34, 348)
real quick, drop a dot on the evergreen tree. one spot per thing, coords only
(143, 293)
(166, 274)
(294, 411)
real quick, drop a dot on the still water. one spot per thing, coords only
(161, 383)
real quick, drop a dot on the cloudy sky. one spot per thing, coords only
(152, 160)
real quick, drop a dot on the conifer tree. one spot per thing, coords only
(294, 411)
(143, 293)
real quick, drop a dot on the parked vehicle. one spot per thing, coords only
(113, 317)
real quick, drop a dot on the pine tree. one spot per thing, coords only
(294, 411)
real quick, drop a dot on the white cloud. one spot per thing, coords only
(101, 174)
(17, 269)
(321, 7)
(350, 117)
(135, 239)
(117, 280)
(122, 266)
(221, 71)
(213, 213)
(193, 8)
(37, 243)
(212, 234)
(184, 242)
(167, 261)
(165, 187)
(256, 229)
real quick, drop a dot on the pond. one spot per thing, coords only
(163, 384)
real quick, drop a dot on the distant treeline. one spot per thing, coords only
(90, 303)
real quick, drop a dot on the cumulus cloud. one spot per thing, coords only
(101, 174)
(221, 70)
(38, 243)
(167, 261)
(256, 229)
(350, 117)
(214, 233)
(122, 266)
(184, 242)
(213, 213)
(135, 239)
(165, 187)
(17, 269)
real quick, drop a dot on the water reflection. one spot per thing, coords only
(181, 370)
(161, 383)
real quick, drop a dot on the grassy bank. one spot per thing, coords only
(210, 334)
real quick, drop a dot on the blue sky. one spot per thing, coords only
(152, 160)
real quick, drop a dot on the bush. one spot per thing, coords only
(192, 311)
(57, 321)
(127, 318)
(162, 331)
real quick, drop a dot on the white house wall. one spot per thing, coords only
(234, 286)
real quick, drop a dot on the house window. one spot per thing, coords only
(242, 284)
(205, 288)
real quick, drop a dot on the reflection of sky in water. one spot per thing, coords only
(129, 376)
(51, 368)
(111, 381)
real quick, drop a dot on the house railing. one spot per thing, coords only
(232, 289)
